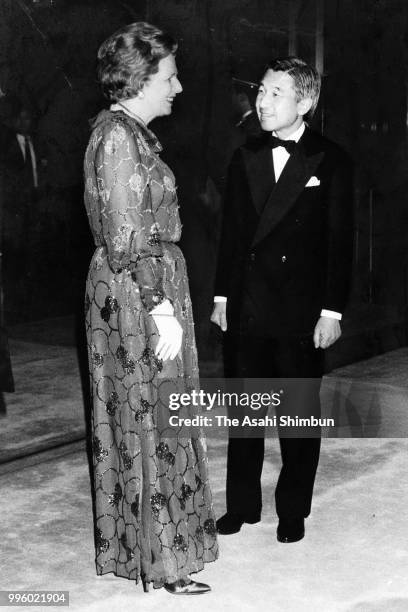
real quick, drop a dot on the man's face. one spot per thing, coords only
(277, 105)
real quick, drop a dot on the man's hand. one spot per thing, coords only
(219, 315)
(326, 332)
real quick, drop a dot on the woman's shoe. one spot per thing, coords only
(145, 584)
(185, 587)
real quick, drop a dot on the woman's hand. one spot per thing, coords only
(171, 335)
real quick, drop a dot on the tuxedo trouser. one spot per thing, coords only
(293, 357)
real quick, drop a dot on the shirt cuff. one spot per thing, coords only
(219, 299)
(164, 308)
(331, 314)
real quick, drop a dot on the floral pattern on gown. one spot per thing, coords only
(153, 507)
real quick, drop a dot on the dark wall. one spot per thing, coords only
(47, 57)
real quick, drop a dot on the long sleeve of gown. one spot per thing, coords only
(129, 229)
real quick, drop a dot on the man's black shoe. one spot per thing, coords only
(232, 523)
(290, 531)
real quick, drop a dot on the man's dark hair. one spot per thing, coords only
(307, 80)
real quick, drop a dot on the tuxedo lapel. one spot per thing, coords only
(299, 168)
(15, 156)
(260, 174)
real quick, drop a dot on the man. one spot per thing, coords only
(247, 120)
(282, 280)
(18, 151)
(19, 168)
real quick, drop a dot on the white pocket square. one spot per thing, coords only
(313, 182)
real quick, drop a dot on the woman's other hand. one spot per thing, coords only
(171, 336)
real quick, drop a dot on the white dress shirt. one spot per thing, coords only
(21, 141)
(280, 157)
(244, 116)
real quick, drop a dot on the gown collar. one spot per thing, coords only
(148, 135)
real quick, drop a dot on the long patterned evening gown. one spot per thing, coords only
(154, 515)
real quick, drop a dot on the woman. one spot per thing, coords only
(153, 509)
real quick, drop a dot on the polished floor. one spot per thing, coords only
(354, 557)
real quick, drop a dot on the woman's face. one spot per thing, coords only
(161, 89)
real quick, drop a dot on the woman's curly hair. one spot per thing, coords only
(129, 57)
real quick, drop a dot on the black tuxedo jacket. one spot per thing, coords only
(12, 158)
(16, 190)
(286, 248)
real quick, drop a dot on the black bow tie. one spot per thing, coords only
(274, 141)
